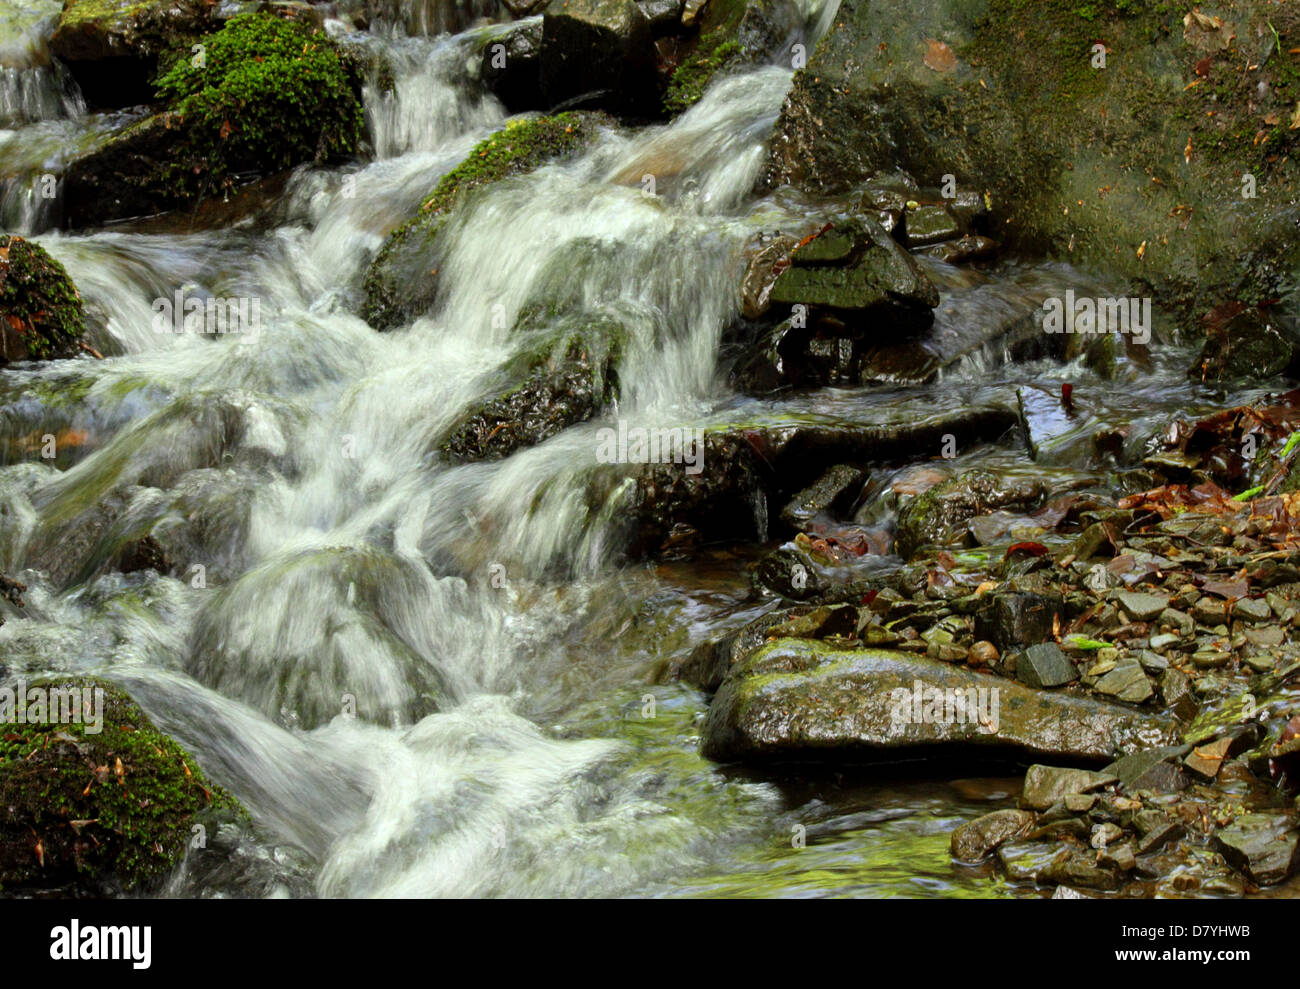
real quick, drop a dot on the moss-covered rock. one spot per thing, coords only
(1141, 167)
(97, 811)
(732, 33)
(263, 95)
(400, 284)
(112, 46)
(41, 316)
(714, 53)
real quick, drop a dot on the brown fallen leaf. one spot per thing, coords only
(939, 56)
(1295, 119)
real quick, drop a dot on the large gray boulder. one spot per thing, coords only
(796, 700)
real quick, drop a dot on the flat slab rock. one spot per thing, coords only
(1263, 846)
(798, 700)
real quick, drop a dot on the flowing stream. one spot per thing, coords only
(481, 619)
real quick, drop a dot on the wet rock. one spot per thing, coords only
(598, 53)
(41, 316)
(665, 16)
(859, 272)
(1018, 619)
(969, 248)
(1254, 610)
(1044, 665)
(511, 67)
(723, 500)
(1242, 343)
(569, 387)
(983, 653)
(1118, 858)
(1210, 611)
(709, 663)
(1066, 893)
(941, 515)
(1151, 769)
(1045, 785)
(1177, 620)
(1141, 607)
(974, 840)
(99, 775)
(1263, 846)
(1158, 835)
(1206, 760)
(926, 225)
(1030, 862)
(1126, 682)
(761, 271)
(838, 486)
(796, 700)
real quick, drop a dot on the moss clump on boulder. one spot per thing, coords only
(260, 95)
(267, 93)
(100, 810)
(398, 283)
(715, 53)
(41, 316)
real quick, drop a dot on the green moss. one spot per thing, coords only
(520, 147)
(80, 807)
(266, 93)
(714, 53)
(81, 14)
(38, 300)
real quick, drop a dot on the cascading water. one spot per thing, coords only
(477, 618)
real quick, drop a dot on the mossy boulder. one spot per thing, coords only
(97, 812)
(112, 46)
(399, 283)
(732, 34)
(263, 95)
(41, 316)
(1138, 158)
